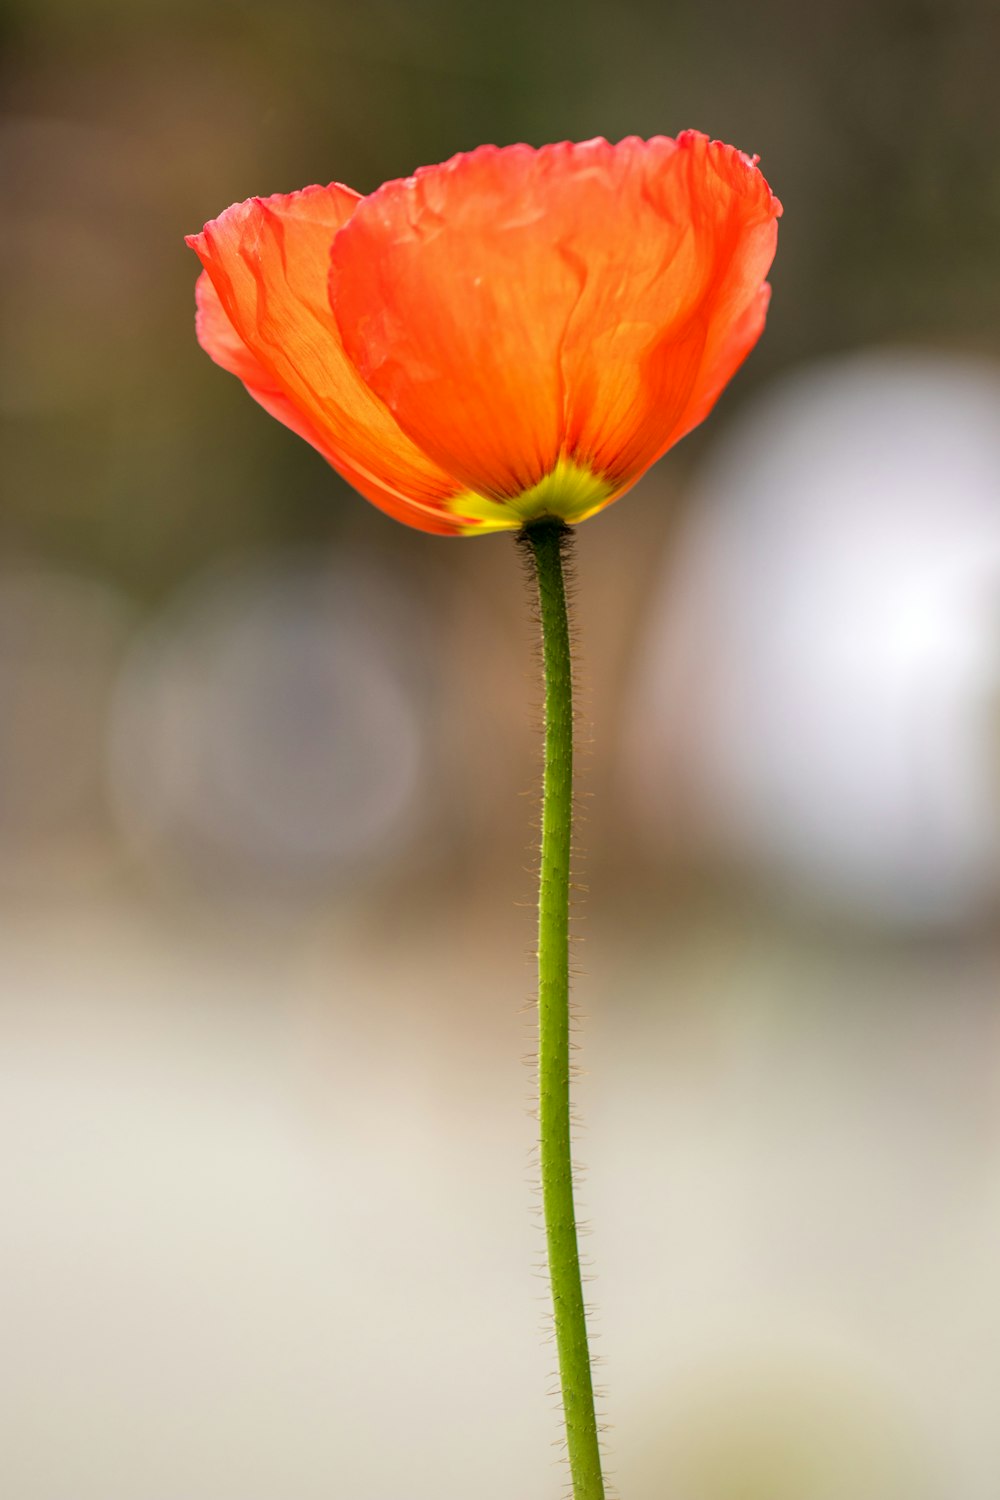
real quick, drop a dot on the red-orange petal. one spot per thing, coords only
(220, 340)
(513, 307)
(264, 314)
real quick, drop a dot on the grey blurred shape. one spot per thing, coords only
(268, 725)
(63, 635)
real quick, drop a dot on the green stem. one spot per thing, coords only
(547, 541)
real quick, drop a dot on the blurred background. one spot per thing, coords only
(268, 766)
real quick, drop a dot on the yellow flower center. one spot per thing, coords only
(571, 493)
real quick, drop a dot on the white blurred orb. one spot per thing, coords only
(268, 726)
(821, 673)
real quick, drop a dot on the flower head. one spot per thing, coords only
(513, 334)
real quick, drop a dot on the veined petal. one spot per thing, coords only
(219, 339)
(583, 302)
(672, 272)
(724, 354)
(452, 295)
(741, 220)
(267, 319)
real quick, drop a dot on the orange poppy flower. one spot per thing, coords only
(513, 334)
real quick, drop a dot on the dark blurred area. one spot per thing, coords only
(267, 792)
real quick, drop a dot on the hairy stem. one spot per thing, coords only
(547, 541)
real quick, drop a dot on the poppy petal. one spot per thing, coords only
(673, 301)
(722, 359)
(270, 323)
(452, 297)
(222, 343)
